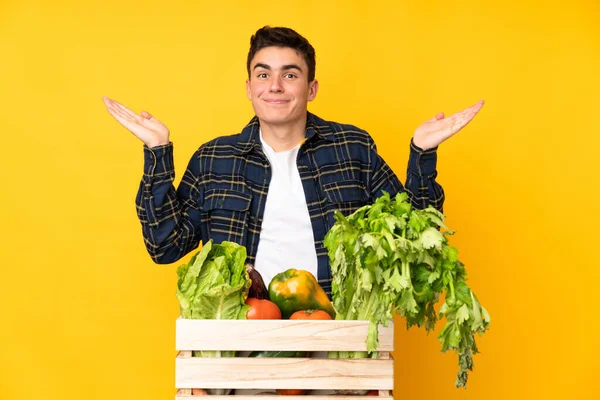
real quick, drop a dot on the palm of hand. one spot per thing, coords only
(144, 126)
(438, 129)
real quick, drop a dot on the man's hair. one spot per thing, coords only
(282, 37)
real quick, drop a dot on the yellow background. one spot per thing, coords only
(86, 314)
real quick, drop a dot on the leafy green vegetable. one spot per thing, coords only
(389, 258)
(214, 285)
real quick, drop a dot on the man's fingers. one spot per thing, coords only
(116, 105)
(463, 113)
(471, 112)
(130, 125)
(436, 117)
(110, 102)
(462, 121)
(112, 111)
(130, 118)
(451, 125)
(439, 128)
(120, 113)
(472, 109)
(126, 110)
(148, 116)
(476, 107)
(126, 122)
(462, 118)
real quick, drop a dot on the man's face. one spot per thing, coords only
(278, 85)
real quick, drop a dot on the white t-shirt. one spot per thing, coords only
(286, 235)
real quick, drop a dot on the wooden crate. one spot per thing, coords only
(281, 373)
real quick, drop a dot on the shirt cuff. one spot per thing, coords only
(422, 162)
(158, 160)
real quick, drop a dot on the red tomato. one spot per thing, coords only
(372, 393)
(310, 314)
(290, 392)
(262, 309)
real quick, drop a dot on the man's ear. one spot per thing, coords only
(313, 87)
(248, 92)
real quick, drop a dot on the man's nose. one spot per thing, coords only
(276, 85)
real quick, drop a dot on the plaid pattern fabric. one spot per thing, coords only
(223, 192)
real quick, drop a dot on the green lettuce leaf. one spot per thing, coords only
(214, 284)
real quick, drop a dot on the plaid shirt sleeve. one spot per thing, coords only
(171, 219)
(421, 174)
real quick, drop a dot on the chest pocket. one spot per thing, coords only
(345, 196)
(226, 214)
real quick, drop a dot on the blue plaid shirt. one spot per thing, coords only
(223, 192)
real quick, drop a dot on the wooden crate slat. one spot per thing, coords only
(181, 396)
(298, 335)
(284, 373)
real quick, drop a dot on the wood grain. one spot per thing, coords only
(298, 335)
(284, 373)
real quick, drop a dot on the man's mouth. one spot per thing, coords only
(276, 101)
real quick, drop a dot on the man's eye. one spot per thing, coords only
(262, 76)
(290, 76)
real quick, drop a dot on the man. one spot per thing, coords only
(274, 187)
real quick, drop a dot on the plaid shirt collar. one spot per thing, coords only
(249, 138)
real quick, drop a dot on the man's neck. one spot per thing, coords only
(283, 137)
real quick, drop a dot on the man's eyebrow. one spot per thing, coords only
(261, 65)
(284, 67)
(291, 66)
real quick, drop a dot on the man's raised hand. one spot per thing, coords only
(144, 126)
(437, 129)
